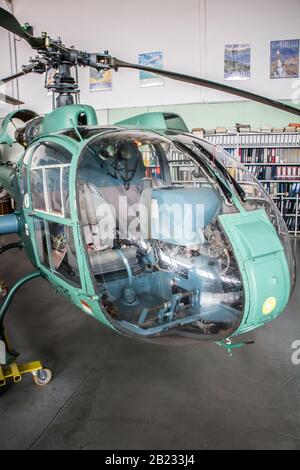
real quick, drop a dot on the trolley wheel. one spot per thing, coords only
(42, 377)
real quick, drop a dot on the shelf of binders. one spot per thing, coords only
(255, 140)
(274, 159)
(272, 164)
(279, 181)
(289, 207)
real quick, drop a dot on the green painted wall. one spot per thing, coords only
(210, 115)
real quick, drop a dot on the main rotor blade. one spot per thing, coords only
(26, 69)
(210, 84)
(9, 22)
(10, 100)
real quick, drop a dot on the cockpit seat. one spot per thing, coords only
(99, 240)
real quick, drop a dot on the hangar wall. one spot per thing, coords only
(7, 44)
(191, 34)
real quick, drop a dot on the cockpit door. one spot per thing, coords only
(51, 222)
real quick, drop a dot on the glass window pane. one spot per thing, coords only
(49, 153)
(63, 252)
(53, 187)
(54, 160)
(37, 190)
(162, 263)
(65, 190)
(41, 241)
(151, 161)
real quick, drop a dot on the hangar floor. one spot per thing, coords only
(110, 392)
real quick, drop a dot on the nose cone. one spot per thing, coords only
(187, 292)
(262, 257)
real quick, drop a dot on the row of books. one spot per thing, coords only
(288, 206)
(292, 127)
(292, 223)
(231, 150)
(276, 187)
(275, 172)
(255, 140)
(247, 128)
(5, 203)
(269, 155)
(182, 173)
(266, 155)
(149, 159)
(153, 172)
(272, 174)
(278, 139)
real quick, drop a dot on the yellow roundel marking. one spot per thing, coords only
(269, 305)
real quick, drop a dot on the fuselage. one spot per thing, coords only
(153, 233)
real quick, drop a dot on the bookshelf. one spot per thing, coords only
(5, 203)
(274, 159)
(181, 170)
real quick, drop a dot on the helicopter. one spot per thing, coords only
(103, 219)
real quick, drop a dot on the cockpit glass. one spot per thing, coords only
(161, 263)
(256, 197)
(49, 179)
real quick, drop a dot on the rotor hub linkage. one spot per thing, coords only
(54, 54)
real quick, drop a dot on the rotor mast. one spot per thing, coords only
(64, 86)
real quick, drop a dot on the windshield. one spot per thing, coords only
(161, 262)
(253, 195)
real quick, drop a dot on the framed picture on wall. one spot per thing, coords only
(100, 81)
(237, 62)
(151, 59)
(284, 59)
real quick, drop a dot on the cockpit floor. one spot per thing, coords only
(131, 313)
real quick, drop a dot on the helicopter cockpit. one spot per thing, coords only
(149, 221)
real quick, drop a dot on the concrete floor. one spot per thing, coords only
(110, 392)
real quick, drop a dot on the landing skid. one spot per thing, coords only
(229, 345)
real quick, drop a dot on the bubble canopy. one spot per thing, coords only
(149, 207)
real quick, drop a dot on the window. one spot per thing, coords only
(50, 169)
(151, 161)
(175, 122)
(37, 189)
(49, 153)
(25, 164)
(41, 241)
(56, 249)
(63, 253)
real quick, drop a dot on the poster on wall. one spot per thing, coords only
(284, 59)
(151, 59)
(237, 62)
(100, 81)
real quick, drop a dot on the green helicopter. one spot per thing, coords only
(152, 231)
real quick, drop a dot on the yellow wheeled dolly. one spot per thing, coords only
(9, 369)
(41, 376)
